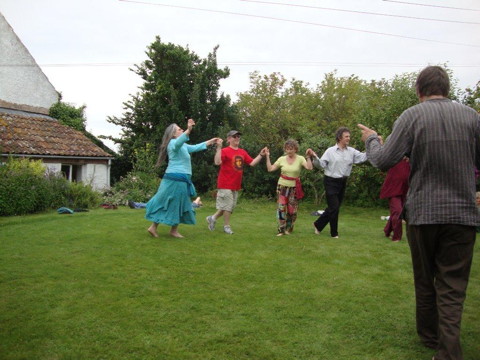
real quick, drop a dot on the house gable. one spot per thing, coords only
(26, 130)
(23, 85)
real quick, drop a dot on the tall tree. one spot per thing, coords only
(471, 97)
(177, 85)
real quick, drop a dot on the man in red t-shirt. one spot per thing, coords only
(231, 160)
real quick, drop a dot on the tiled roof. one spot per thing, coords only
(34, 134)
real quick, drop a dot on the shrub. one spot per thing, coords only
(81, 195)
(26, 187)
(137, 186)
(58, 189)
(21, 187)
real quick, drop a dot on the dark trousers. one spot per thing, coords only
(335, 191)
(441, 258)
(394, 223)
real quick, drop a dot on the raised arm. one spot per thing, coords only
(270, 167)
(312, 155)
(308, 165)
(218, 153)
(258, 157)
(213, 141)
(190, 125)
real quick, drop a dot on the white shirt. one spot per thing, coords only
(338, 162)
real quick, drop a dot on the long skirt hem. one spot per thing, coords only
(171, 205)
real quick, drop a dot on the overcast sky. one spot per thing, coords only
(85, 47)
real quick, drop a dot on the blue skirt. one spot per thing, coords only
(171, 205)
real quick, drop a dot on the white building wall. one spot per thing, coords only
(97, 176)
(53, 167)
(21, 79)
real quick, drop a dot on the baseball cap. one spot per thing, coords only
(233, 132)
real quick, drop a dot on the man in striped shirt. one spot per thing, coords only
(442, 139)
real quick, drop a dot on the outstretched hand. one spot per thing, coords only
(366, 132)
(190, 124)
(214, 141)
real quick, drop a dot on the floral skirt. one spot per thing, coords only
(287, 208)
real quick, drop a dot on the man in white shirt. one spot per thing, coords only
(337, 162)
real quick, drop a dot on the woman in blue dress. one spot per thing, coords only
(171, 205)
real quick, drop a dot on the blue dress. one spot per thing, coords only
(171, 205)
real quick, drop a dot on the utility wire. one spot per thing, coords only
(250, 63)
(362, 12)
(429, 5)
(302, 22)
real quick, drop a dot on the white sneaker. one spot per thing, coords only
(227, 229)
(211, 223)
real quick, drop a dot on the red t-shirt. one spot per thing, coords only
(231, 169)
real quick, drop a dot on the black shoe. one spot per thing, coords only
(131, 205)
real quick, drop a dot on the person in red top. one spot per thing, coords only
(395, 188)
(231, 159)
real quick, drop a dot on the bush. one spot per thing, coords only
(363, 187)
(81, 195)
(21, 187)
(137, 186)
(26, 187)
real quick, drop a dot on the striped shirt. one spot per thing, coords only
(442, 139)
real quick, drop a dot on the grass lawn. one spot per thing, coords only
(95, 285)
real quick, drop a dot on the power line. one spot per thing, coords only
(429, 5)
(362, 12)
(301, 22)
(251, 63)
(69, 65)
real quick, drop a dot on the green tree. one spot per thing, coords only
(69, 115)
(274, 109)
(471, 97)
(177, 85)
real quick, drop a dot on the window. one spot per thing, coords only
(71, 172)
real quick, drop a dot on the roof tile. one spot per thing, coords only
(32, 134)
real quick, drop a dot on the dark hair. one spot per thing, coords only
(292, 143)
(339, 133)
(433, 80)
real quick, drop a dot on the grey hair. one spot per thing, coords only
(167, 136)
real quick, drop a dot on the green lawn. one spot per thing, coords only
(95, 285)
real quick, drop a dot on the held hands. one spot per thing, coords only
(215, 141)
(218, 142)
(310, 153)
(263, 152)
(366, 132)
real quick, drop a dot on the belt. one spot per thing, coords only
(340, 178)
